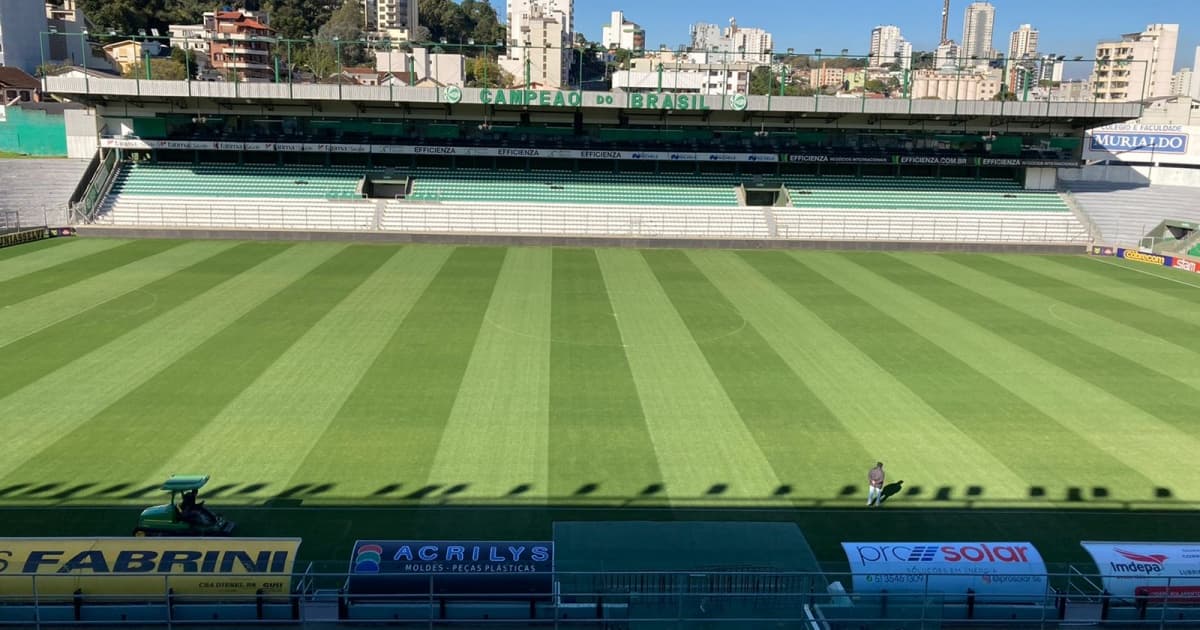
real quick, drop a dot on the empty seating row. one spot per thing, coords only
(257, 214)
(970, 226)
(581, 220)
(301, 182)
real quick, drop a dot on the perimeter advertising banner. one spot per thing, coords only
(1001, 571)
(399, 567)
(1148, 569)
(146, 566)
(1159, 260)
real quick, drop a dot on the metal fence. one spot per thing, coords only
(709, 599)
(701, 222)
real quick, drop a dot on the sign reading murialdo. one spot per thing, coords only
(554, 98)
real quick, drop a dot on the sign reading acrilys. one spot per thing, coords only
(1004, 571)
(146, 566)
(495, 568)
(1151, 569)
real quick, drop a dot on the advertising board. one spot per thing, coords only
(146, 566)
(999, 571)
(396, 567)
(1143, 143)
(1149, 569)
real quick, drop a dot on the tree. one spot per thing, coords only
(484, 72)
(160, 70)
(875, 86)
(1005, 95)
(184, 57)
(765, 80)
(345, 25)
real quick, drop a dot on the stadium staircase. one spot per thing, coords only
(561, 203)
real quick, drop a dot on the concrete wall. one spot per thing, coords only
(1138, 175)
(34, 130)
(1040, 178)
(567, 241)
(82, 133)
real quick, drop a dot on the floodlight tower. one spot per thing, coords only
(945, 20)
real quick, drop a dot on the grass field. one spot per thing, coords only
(343, 385)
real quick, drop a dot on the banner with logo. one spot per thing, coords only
(1143, 143)
(1162, 570)
(146, 566)
(1158, 260)
(396, 567)
(1002, 571)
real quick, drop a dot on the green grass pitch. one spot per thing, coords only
(359, 390)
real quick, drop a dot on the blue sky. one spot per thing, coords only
(1067, 27)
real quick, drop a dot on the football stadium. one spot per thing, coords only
(283, 354)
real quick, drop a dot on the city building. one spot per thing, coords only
(978, 23)
(620, 33)
(888, 46)
(733, 43)
(397, 18)
(1181, 83)
(1195, 93)
(674, 74)
(17, 86)
(419, 68)
(1050, 69)
(126, 54)
(21, 24)
(1137, 66)
(1023, 43)
(824, 77)
(239, 45)
(67, 32)
(541, 37)
(946, 55)
(963, 86)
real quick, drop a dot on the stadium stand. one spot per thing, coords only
(913, 193)
(38, 190)
(600, 204)
(1124, 213)
(574, 188)
(293, 182)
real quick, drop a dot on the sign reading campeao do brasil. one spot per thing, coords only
(636, 100)
(411, 566)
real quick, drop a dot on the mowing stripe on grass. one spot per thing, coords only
(33, 257)
(785, 302)
(160, 415)
(704, 449)
(38, 313)
(497, 436)
(1125, 457)
(599, 442)
(16, 251)
(85, 387)
(1173, 282)
(990, 302)
(1163, 325)
(1103, 280)
(794, 429)
(57, 345)
(294, 400)
(65, 274)
(385, 436)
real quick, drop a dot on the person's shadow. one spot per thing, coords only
(890, 490)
